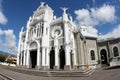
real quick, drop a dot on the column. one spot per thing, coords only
(28, 59)
(56, 54)
(21, 60)
(43, 58)
(47, 58)
(24, 62)
(38, 58)
(67, 56)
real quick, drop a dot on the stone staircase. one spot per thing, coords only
(73, 73)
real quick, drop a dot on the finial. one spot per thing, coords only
(64, 9)
(42, 4)
(22, 29)
(70, 17)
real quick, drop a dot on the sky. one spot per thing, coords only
(98, 17)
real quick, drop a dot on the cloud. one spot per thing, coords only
(10, 41)
(113, 34)
(95, 16)
(106, 13)
(90, 18)
(3, 19)
(89, 31)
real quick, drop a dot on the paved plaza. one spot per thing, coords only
(99, 74)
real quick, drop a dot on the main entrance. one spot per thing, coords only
(62, 58)
(52, 58)
(33, 57)
(104, 56)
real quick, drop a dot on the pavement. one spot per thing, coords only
(99, 74)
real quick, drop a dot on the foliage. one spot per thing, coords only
(9, 61)
(2, 58)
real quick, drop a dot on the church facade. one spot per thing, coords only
(55, 43)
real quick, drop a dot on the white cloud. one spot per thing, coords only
(3, 19)
(1, 32)
(106, 13)
(114, 34)
(95, 16)
(10, 41)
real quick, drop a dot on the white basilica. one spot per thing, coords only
(55, 43)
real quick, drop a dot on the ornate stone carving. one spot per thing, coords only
(56, 32)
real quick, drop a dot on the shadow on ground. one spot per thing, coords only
(113, 67)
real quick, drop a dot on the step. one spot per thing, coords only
(74, 73)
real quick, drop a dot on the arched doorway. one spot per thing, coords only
(33, 57)
(104, 56)
(52, 58)
(62, 57)
(33, 54)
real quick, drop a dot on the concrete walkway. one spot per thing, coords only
(99, 74)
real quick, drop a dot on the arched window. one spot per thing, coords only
(92, 53)
(115, 51)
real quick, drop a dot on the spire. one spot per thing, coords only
(21, 32)
(22, 29)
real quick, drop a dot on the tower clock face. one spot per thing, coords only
(56, 32)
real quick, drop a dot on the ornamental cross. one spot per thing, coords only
(64, 9)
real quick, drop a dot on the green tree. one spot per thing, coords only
(2, 58)
(9, 61)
